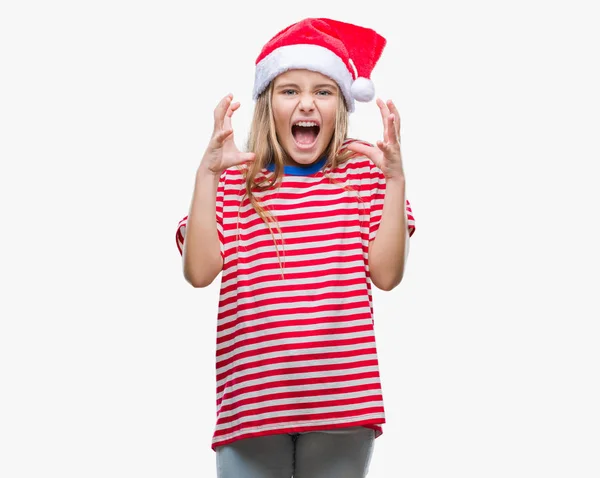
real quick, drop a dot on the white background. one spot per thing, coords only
(489, 348)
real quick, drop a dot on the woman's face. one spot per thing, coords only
(304, 105)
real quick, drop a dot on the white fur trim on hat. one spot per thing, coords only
(307, 57)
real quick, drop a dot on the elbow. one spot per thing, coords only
(388, 285)
(199, 281)
(387, 271)
(389, 281)
(201, 273)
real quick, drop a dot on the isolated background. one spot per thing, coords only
(489, 347)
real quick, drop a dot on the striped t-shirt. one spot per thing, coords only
(295, 339)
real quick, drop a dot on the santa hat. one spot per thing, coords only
(344, 52)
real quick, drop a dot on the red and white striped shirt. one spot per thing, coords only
(297, 353)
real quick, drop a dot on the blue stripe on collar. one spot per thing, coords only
(301, 170)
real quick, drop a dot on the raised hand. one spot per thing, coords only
(222, 153)
(386, 156)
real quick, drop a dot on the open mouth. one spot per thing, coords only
(305, 133)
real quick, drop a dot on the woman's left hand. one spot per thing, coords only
(386, 156)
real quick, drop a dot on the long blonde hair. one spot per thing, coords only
(263, 142)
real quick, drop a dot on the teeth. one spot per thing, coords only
(306, 124)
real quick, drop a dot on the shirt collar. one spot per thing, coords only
(300, 170)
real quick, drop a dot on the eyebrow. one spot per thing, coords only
(294, 85)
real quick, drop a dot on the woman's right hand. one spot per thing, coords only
(222, 153)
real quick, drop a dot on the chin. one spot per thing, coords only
(305, 158)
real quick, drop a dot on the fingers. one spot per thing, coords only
(361, 149)
(239, 159)
(391, 153)
(244, 158)
(223, 113)
(391, 128)
(229, 114)
(385, 113)
(232, 108)
(394, 111)
(385, 147)
(391, 120)
(389, 148)
(221, 110)
(222, 136)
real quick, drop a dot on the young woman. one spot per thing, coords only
(300, 226)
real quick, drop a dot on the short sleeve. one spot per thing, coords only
(377, 196)
(180, 234)
(182, 225)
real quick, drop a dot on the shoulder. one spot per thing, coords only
(232, 177)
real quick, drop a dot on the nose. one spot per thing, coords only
(307, 102)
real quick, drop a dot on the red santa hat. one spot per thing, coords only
(344, 52)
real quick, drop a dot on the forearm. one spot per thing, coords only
(202, 260)
(389, 250)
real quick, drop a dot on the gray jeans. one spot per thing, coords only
(341, 453)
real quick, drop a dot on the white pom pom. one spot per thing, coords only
(363, 89)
